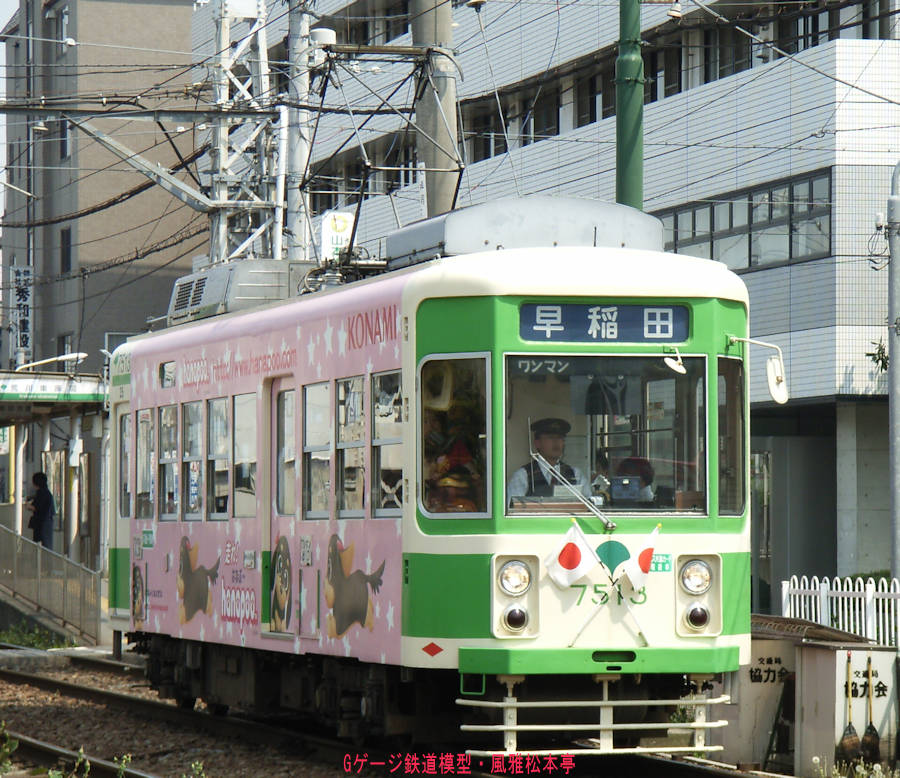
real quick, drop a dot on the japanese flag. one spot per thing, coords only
(572, 560)
(637, 567)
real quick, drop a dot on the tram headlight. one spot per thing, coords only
(696, 576)
(515, 618)
(514, 578)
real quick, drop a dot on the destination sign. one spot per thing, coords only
(603, 323)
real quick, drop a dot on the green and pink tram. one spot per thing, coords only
(496, 493)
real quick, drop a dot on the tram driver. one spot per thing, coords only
(534, 479)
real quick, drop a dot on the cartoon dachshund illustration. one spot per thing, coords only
(346, 593)
(281, 586)
(194, 583)
(137, 597)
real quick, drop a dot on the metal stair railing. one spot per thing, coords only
(52, 584)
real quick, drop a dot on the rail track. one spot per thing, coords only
(300, 752)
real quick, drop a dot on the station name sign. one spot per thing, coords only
(603, 323)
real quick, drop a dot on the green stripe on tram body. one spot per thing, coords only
(119, 592)
(434, 609)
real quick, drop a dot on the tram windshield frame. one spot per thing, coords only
(628, 432)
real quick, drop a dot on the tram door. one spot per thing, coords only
(283, 589)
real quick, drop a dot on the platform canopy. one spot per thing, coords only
(26, 397)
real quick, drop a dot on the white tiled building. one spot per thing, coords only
(776, 165)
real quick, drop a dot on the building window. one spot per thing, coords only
(586, 93)
(192, 458)
(316, 450)
(244, 421)
(487, 136)
(65, 250)
(61, 29)
(64, 130)
(781, 222)
(608, 93)
(350, 446)
(63, 347)
(544, 115)
(404, 159)
(397, 17)
(387, 451)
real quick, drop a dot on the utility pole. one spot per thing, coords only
(630, 107)
(297, 222)
(436, 112)
(893, 236)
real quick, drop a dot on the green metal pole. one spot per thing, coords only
(630, 107)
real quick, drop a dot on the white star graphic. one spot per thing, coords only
(389, 616)
(311, 349)
(342, 340)
(329, 331)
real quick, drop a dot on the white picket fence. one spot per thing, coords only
(867, 608)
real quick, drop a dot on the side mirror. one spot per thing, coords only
(778, 388)
(777, 384)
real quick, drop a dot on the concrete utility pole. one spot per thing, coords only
(436, 111)
(630, 107)
(893, 236)
(296, 223)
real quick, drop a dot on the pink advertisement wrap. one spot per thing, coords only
(334, 582)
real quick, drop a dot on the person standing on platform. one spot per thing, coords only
(42, 511)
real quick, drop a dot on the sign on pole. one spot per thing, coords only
(21, 341)
(337, 227)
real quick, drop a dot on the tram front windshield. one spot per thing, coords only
(624, 433)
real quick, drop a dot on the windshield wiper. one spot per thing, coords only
(539, 458)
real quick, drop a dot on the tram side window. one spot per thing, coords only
(731, 436)
(285, 471)
(191, 459)
(144, 464)
(124, 462)
(244, 419)
(168, 464)
(387, 459)
(316, 450)
(350, 447)
(454, 435)
(217, 453)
